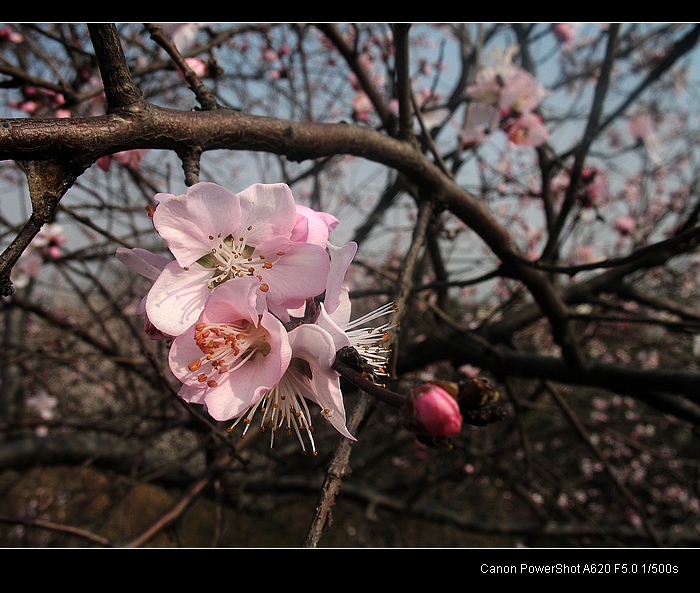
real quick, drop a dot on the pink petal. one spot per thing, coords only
(177, 298)
(341, 258)
(143, 261)
(268, 208)
(187, 221)
(314, 345)
(320, 224)
(300, 273)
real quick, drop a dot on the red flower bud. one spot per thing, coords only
(432, 411)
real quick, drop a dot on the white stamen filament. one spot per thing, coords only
(284, 406)
(372, 343)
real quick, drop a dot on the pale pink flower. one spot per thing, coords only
(625, 225)
(486, 91)
(596, 187)
(217, 236)
(520, 92)
(232, 355)
(27, 267)
(643, 129)
(312, 226)
(183, 35)
(508, 88)
(39, 100)
(309, 376)
(527, 129)
(43, 404)
(361, 107)
(128, 158)
(565, 33)
(482, 120)
(6, 32)
(199, 66)
(46, 245)
(585, 253)
(341, 258)
(641, 126)
(469, 370)
(49, 240)
(148, 265)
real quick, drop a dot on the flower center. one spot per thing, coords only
(283, 407)
(226, 347)
(233, 257)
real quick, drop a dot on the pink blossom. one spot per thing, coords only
(508, 88)
(431, 411)
(128, 158)
(232, 355)
(520, 92)
(361, 107)
(527, 129)
(38, 100)
(482, 120)
(309, 376)
(371, 341)
(486, 91)
(46, 245)
(199, 66)
(469, 370)
(27, 267)
(643, 128)
(183, 35)
(312, 226)
(564, 33)
(149, 265)
(625, 225)
(596, 187)
(49, 240)
(6, 32)
(217, 236)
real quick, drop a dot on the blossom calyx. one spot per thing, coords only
(432, 411)
(478, 402)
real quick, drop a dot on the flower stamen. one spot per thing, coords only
(227, 347)
(284, 408)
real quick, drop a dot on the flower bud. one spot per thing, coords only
(478, 402)
(431, 411)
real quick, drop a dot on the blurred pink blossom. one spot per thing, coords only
(361, 107)
(526, 129)
(183, 35)
(625, 225)
(643, 129)
(6, 32)
(128, 158)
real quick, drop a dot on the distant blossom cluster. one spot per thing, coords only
(45, 246)
(254, 305)
(505, 97)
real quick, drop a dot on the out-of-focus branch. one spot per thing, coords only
(672, 391)
(581, 151)
(404, 92)
(120, 90)
(333, 33)
(204, 95)
(48, 181)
